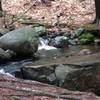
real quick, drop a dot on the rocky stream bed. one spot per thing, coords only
(58, 60)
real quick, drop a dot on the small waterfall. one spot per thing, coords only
(43, 45)
(2, 71)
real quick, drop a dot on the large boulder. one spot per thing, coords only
(83, 78)
(42, 74)
(23, 41)
(78, 73)
(73, 77)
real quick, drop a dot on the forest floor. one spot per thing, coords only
(71, 12)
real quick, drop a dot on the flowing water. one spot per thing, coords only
(46, 57)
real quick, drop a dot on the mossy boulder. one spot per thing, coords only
(84, 36)
(23, 41)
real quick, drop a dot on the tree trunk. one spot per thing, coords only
(0, 6)
(97, 7)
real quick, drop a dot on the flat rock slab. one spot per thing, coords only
(82, 60)
(80, 73)
(17, 89)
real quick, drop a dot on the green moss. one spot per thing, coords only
(86, 38)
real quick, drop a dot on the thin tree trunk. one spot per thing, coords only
(0, 6)
(97, 7)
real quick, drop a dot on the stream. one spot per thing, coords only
(56, 76)
(45, 57)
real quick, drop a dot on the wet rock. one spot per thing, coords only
(41, 74)
(61, 72)
(23, 41)
(59, 42)
(81, 74)
(84, 79)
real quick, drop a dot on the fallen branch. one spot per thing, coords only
(32, 4)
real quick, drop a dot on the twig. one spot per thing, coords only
(23, 13)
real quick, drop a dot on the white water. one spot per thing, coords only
(44, 45)
(2, 71)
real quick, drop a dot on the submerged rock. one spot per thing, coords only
(23, 41)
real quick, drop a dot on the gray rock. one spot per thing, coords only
(61, 72)
(41, 74)
(4, 55)
(23, 41)
(84, 79)
(59, 41)
(73, 77)
(77, 73)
